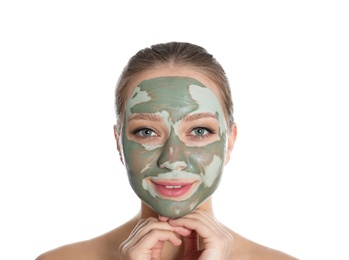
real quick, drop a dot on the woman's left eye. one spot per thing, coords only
(200, 131)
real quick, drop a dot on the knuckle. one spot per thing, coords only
(122, 247)
(155, 232)
(151, 226)
(140, 222)
(122, 251)
(146, 220)
(151, 221)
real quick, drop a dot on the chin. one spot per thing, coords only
(173, 209)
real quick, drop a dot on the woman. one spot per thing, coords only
(175, 132)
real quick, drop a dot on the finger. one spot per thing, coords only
(179, 230)
(216, 238)
(192, 223)
(157, 225)
(163, 219)
(210, 220)
(153, 237)
(149, 246)
(141, 223)
(191, 243)
(145, 244)
(201, 221)
(218, 225)
(144, 227)
(132, 238)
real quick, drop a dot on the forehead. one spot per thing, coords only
(178, 95)
(182, 71)
(170, 92)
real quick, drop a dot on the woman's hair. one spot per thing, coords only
(172, 54)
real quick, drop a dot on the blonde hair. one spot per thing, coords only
(172, 54)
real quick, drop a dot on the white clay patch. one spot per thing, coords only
(212, 171)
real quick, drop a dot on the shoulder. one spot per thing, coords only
(89, 250)
(249, 250)
(265, 253)
(72, 251)
(102, 247)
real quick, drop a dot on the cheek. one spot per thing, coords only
(138, 160)
(205, 155)
(213, 171)
(210, 161)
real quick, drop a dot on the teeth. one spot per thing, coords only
(173, 187)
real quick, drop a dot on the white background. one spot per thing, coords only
(61, 181)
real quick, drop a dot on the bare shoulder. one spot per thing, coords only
(79, 250)
(105, 247)
(265, 253)
(249, 250)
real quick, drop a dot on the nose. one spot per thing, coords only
(173, 155)
(174, 166)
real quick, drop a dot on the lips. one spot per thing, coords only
(175, 190)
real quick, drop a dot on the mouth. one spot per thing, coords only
(174, 189)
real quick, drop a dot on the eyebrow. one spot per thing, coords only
(199, 116)
(144, 116)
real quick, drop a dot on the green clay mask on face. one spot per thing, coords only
(174, 143)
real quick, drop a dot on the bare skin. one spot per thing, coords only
(197, 235)
(106, 246)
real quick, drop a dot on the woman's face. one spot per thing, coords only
(174, 141)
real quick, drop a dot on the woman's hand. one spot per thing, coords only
(216, 238)
(147, 239)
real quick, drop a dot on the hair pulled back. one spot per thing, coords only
(173, 54)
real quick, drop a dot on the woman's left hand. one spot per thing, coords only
(216, 239)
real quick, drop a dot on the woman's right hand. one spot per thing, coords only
(147, 239)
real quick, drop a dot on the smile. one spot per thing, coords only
(172, 189)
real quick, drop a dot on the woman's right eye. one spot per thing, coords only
(144, 133)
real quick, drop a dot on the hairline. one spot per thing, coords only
(131, 82)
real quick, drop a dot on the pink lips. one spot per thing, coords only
(171, 189)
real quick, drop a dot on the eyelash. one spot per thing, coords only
(209, 132)
(138, 131)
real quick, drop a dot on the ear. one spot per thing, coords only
(118, 143)
(231, 141)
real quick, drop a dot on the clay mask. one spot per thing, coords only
(174, 144)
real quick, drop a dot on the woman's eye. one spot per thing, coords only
(146, 132)
(200, 131)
